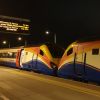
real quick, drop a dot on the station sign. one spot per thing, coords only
(14, 25)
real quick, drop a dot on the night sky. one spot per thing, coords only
(69, 19)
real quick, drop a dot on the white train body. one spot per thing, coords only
(81, 60)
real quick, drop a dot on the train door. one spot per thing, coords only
(34, 62)
(22, 53)
(27, 60)
(18, 59)
(79, 61)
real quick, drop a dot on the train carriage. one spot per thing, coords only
(37, 58)
(8, 57)
(81, 60)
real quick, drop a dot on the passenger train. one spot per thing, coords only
(42, 58)
(81, 61)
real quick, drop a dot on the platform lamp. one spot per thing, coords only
(20, 39)
(55, 37)
(5, 42)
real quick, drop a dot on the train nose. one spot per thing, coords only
(54, 67)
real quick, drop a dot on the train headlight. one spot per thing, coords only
(53, 65)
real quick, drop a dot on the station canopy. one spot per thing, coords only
(14, 25)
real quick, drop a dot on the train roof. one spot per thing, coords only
(11, 48)
(36, 45)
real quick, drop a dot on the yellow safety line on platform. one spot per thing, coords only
(57, 83)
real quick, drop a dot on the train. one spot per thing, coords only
(81, 61)
(42, 58)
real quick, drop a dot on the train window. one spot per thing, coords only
(13, 55)
(95, 51)
(10, 54)
(70, 51)
(0, 55)
(4, 55)
(41, 52)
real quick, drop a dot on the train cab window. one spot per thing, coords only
(41, 52)
(70, 51)
(26, 53)
(95, 51)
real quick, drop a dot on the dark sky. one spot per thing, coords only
(69, 19)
